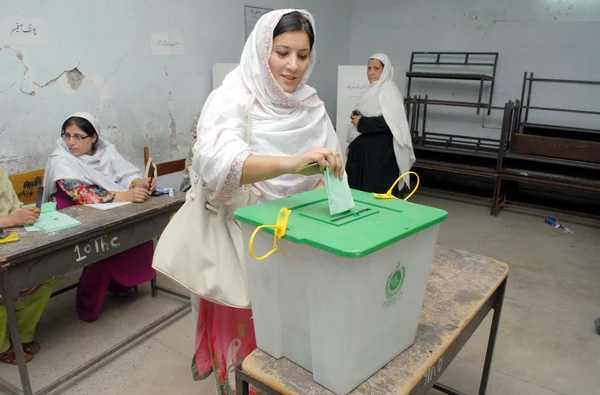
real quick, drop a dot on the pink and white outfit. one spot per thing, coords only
(282, 124)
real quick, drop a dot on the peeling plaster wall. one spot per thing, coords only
(98, 60)
(552, 38)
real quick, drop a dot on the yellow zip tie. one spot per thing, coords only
(280, 229)
(389, 195)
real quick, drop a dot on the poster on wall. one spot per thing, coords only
(167, 43)
(252, 15)
(23, 30)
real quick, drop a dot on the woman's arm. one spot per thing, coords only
(80, 194)
(372, 125)
(260, 168)
(25, 216)
(223, 158)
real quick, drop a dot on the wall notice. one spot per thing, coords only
(167, 43)
(252, 15)
(23, 30)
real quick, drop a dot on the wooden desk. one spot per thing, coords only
(39, 257)
(462, 289)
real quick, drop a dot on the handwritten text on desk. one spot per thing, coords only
(23, 30)
(95, 246)
(434, 373)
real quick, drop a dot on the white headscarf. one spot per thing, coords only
(383, 97)
(282, 124)
(106, 168)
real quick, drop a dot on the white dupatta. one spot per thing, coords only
(282, 124)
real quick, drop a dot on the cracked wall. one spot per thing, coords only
(98, 59)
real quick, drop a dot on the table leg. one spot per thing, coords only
(13, 327)
(153, 287)
(241, 386)
(244, 381)
(492, 339)
(447, 390)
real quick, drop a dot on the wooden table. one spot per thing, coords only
(462, 289)
(39, 257)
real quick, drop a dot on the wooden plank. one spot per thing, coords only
(557, 180)
(461, 283)
(27, 184)
(146, 155)
(559, 127)
(552, 147)
(162, 169)
(554, 161)
(170, 167)
(449, 167)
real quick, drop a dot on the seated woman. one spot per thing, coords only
(30, 302)
(380, 146)
(84, 169)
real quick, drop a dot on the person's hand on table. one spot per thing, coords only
(25, 216)
(136, 195)
(145, 184)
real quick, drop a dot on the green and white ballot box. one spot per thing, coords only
(347, 296)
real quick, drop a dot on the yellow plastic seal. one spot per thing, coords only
(279, 231)
(389, 195)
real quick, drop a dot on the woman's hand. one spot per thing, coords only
(320, 184)
(259, 168)
(25, 216)
(145, 184)
(136, 195)
(319, 155)
(356, 119)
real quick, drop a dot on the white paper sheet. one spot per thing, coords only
(107, 206)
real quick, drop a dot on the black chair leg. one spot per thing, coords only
(153, 286)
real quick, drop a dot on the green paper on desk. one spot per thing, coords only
(51, 220)
(338, 193)
(46, 207)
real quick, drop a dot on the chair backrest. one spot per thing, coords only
(27, 184)
(162, 169)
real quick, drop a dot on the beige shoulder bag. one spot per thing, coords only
(202, 247)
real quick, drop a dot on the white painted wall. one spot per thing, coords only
(553, 38)
(139, 98)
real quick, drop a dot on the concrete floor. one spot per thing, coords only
(547, 344)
